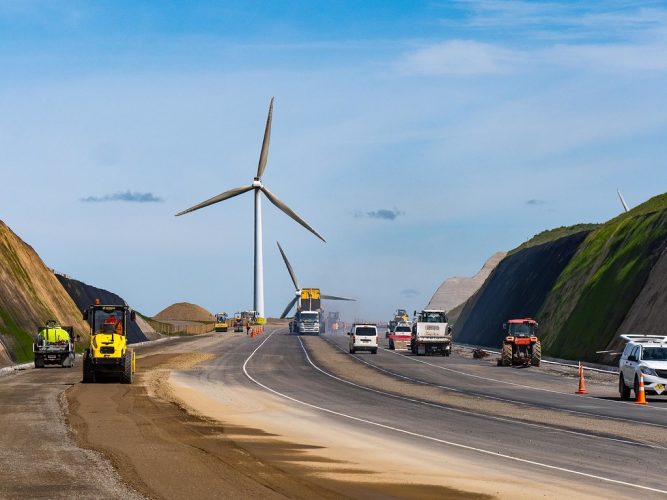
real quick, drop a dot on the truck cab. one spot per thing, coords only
(431, 333)
(306, 322)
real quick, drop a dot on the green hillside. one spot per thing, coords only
(599, 285)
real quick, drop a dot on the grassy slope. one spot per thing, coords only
(597, 288)
(554, 234)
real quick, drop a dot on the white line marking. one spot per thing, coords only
(580, 396)
(504, 400)
(429, 438)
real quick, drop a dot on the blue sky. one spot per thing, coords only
(417, 137)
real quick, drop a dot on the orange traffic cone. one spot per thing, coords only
(641, 394)
(582, 382)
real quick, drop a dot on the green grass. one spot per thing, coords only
(554, 234)
(20, 341)
(597, 288)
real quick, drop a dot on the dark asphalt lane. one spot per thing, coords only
(529, 386)
(280, 363)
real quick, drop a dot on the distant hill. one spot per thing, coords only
(586, 285)
(184, 311)
(30, 295)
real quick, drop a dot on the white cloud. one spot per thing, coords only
(459, 57)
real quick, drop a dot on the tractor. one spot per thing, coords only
(108, 354)
(521, 345)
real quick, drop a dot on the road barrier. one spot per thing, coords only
(582, 382)
(641, 394)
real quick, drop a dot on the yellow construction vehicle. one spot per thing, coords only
(108, 354)
(221, 324)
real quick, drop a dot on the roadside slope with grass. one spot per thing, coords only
(585, 284)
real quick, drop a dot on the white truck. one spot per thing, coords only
(306, 322)
(431, 333)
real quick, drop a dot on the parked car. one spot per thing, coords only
(645, 354)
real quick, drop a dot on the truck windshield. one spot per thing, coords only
(433, 317)
(366, 331)
(308, 316)
(521, 329)
(654, 354)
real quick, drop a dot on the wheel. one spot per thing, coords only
(352, 351)
(126, 376)
(39, 362)
(421, 350)
(391, 344)
(536, 357)
(225, 330)
(88, 371)
(413, 347)
(506, 356)
(374, 351)
(623, 389)
(636, 385)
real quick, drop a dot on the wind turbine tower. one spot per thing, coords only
(259, 188)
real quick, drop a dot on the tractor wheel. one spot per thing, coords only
(536, 358)
(126, 376)
(623, 389)
(88, 372)
(506, 356)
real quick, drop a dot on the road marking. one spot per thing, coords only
(428, 438)
(504, 400)
(579, 396)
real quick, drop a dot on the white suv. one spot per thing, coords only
(364, 338)
(646, 354)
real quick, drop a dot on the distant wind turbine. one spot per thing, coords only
(298, 288)
(625, 205)
(259, 188)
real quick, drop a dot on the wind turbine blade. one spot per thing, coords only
(264, 155)
(333, 297)
(224, 196)
(289, 267)
(272, 198)
(289, 308)
(625, 205)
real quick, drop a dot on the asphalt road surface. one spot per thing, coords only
(319, 422)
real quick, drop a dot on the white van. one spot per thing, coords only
(364, 338)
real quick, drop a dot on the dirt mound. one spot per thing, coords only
(184, 311)
(30, 294)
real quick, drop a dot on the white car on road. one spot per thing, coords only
(363, 338)
(646, 354)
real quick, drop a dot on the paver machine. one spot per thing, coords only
(521, 345)
(54, 345)
(108, 354)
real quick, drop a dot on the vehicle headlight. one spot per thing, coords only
(648, 371)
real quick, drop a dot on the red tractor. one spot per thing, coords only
(521, 345)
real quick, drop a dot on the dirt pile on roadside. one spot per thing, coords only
(184, 311)
(30, 294)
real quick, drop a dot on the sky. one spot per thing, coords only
(418, 137)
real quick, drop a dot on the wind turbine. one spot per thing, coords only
(298, 288)
(625, 205)
(259, 188)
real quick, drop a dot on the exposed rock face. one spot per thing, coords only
(516, 288)
(84, 296)
(30, 295)
(455, 291)
(184, 311)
